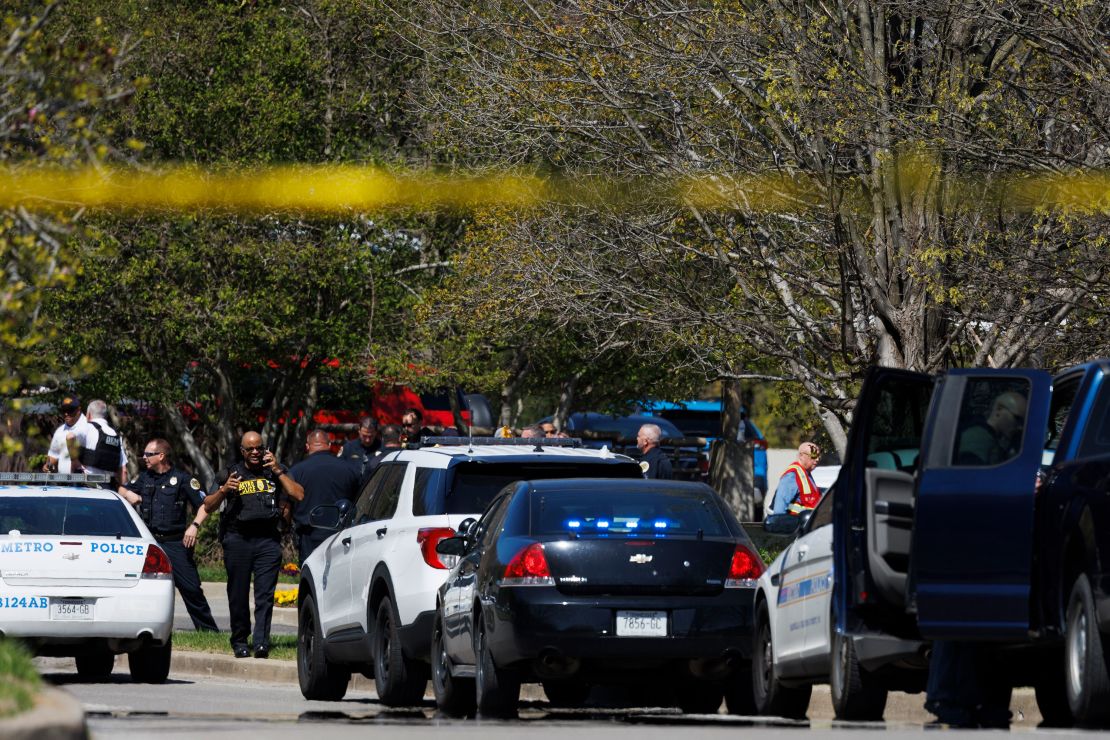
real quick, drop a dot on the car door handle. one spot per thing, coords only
(381, 532)
(347, 541)
(802, 552)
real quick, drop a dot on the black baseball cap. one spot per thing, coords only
(70, 403)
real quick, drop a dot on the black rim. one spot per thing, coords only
(439, 665)
(307, 631)
(383, 647)
(480, 655)
(765, 658)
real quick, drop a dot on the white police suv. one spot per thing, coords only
(81, 575)
(368, 593)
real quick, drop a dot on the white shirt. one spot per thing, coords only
(92, 436)
(58, 448)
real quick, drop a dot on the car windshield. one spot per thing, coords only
(65, 515)
(605, 513)
(472, 485)
(624, 426)
(695, 423)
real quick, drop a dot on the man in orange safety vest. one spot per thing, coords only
(796, 491)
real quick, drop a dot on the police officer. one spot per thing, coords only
(365, 448)
(652, 460)
(325, 479)
(253, 493)
(163, 493)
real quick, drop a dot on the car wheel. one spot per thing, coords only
(769, 695)
(498, 691)
(738, 691)
(454, 696)
(700, 697)
(95, 665)
(1085, 669)
(400, 682)
(151, 664)
(319, 679)
(856, 694)
(568, 694)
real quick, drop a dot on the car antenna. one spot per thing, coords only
(470, 427)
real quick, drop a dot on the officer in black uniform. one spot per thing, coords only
(365, 448)
(163, 493)
(255, 491)
(325, 479)
(653, 462)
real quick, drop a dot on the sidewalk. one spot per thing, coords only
(900, 707)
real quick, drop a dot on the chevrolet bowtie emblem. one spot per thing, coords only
(71, 556)
(640, 558)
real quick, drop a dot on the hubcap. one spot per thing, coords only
(1077, 650)
(383, 650)
(840, 667)
(768, 657)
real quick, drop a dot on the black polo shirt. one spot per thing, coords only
(326, 479)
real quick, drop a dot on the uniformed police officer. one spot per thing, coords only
(163, 494)
(325, 479)
(255, 490)
(652, 460)
(364, 448)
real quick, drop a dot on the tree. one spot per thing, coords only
(883, 135)
(54, 100)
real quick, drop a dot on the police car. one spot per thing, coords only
(368, 593)
(81, 576)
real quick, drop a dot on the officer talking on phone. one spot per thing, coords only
(163, 495)
(252, 495)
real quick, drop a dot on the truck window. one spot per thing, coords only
(1096, 437)
(992, 417)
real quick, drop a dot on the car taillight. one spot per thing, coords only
(528, 568)
(157, 565)
(759, 444)
(745, 568)
(428, 538)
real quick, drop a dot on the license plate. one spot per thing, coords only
(641, 624)
(71, 609)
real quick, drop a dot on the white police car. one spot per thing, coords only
(81, 576)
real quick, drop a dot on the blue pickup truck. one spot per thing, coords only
(935, 538)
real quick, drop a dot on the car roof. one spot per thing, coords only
(463, 452)
(46, 491)
(621, 485)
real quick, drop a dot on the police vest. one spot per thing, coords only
(256, 499)
(808, 494)
(163, 505)
(106, 453)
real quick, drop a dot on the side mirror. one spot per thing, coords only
(451, 546)
(467, 526)
(325, 516)
(346, 511)
(785, 524)
(803, 519)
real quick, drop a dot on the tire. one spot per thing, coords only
(320, 680)
(151, 664)
(498, 691)
(454, 696)
(1052, 693)
(568, 694)
(856, 694)
(700, 697)
(400, 682)
(95, 665)
(1085, 670)
(769, 695)
(738, 691)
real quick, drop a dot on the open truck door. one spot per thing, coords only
(971, 565)
(873, 512)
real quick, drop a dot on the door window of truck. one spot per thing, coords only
(991, 421)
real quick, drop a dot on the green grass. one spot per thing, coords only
(19, 681)
(282, 647)
(216, 573)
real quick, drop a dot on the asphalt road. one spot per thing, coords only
(188, 705)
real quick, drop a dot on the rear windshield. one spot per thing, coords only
(695, 423)
(637, 513)
(62, 515)
(468, 487)
(626, 427)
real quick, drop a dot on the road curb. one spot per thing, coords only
(55, 716)
(900, 707)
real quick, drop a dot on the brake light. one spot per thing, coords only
(744, 569)
(157, 565)
(528, 568)
(759, 444)
(703, 465)
(428, 538)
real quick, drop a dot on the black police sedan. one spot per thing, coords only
(586, 581)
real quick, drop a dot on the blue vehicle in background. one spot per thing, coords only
(699, 418)
(933, 543)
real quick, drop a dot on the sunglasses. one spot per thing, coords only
(151, 454)
(249, 450)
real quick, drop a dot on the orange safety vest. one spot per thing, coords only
(808, 493)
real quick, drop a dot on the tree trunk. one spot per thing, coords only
(201, 467)
(730, 460)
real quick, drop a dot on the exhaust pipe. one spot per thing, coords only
(551, 663)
